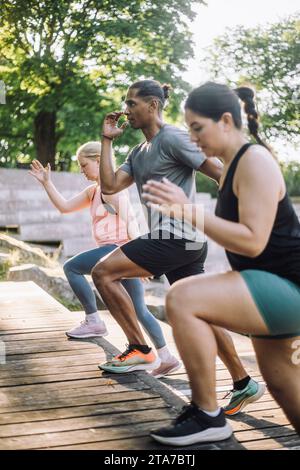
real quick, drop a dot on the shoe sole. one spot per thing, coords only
(209, 435)
(247, 401)
(159, 376)
(88, 335)
(125, 369)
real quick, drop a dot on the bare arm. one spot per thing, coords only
(111, 181)
(213, 168)
(43, 175)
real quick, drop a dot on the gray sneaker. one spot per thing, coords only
(88, 330)
(166, 367)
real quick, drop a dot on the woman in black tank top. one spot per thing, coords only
(256, 224)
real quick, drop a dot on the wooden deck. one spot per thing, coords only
(53, 396)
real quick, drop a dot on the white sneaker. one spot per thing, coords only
(88, 330)
(166, 367)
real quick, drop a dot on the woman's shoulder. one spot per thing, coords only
(90, 191)
(258, 157)
(258, 164)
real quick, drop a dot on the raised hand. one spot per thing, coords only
(110, 125)
(42, 174)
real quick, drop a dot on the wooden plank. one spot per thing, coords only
(136, 443)
(55, 395)
(250, 422)
(64, 358)
(36, 335)
(97, 409)
(32, 348)
(86, 422)
(36, 372)
(289, 442)
(52, 354)
(94, 434)
(264, 433)
(38, 379)
(65, 402)
(146, 443)
(100, 381)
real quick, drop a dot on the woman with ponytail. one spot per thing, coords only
(256, 224)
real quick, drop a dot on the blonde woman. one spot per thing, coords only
(113, 224)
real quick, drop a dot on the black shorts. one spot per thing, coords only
(174, 257)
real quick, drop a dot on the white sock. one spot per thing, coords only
(164, 354)
(213, 414)
(93, 318)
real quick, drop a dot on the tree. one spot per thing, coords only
(65, 63)
(268, 58)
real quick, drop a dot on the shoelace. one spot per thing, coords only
(129, 352)
(188, 411)
(230, 393)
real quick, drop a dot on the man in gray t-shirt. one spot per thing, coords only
(167, 152)
(171, 154)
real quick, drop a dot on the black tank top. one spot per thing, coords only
(281, 256)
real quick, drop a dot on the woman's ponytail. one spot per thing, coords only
(246, 95)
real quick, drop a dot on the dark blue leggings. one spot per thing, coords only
(75, 269)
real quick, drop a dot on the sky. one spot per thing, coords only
(216, 18)
(219, 15)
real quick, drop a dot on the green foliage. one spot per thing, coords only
(290, 170)
(206, 185)
(267, 58)
(73, 307)
(4, 268)
(291, 173)
(76, 59)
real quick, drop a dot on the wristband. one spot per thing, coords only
(106, 137)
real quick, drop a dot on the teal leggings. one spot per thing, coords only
(75, 269)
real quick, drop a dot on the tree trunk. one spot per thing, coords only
(45, 138)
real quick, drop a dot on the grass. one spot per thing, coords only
(73, 307)
(4, 267)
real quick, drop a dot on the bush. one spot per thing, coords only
(290, 170)
(206, 185)
(291, 173)
(4, 268)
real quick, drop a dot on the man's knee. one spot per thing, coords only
(99, 272)
(174, 303)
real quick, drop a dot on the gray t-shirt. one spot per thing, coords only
(169, 154)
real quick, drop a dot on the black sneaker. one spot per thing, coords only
(193, 426)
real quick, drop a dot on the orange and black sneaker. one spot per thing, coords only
(131, 360)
